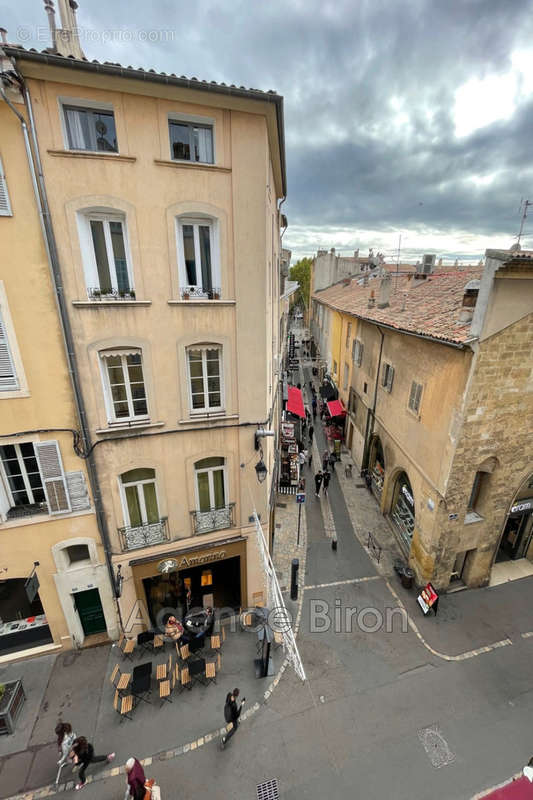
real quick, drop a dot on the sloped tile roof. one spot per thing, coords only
(427, 306)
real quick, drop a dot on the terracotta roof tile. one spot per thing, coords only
(427, 306)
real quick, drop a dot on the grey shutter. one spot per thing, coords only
(360, 356)
(384, 375)
(52, 476)
(77, 491)
(8, 377)
(418, 396)
(390, 378)
(5, 206)
(5, 503)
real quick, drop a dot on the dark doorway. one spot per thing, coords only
(516, 538)
(89, 607)
(217, 585)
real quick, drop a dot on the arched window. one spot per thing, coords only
(198, 257)
(139, 496)
(204, 365)
(124, 387)
(105, 251)
(403, 508)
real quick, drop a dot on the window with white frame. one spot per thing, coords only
(8, 375)
(34, 479)
(191, 141)
(90, 129)
(108, 270)
(387, 377)
(415, 396)
(5, 205)
(198, 257)
(357, 352)
(139, 497)
(205, 378)
(124, 385)
(210, 484)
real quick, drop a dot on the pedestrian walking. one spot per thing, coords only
(332, 460)
(313, 404)
(136, 780)
(311, 432)
(307, 416)
(65, 738)
(325, 460)
(302, 458)
(82, 753)
(325, 481)
(232, 712)
(318, 482)
(310, 459)
(322, 410)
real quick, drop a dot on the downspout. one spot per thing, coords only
(39, 189)
(372, 412)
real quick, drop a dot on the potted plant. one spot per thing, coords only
(96, 294)
(185, 294)
(2, 690)
(216, 295)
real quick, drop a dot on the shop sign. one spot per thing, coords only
(300, 497)
(408, 495)
(32, 587)
(428, 599)
(287, 430)
(190, 561)
(525, 505)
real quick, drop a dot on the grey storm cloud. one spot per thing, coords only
(369, 89)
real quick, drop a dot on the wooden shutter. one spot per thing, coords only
(52, 476)
(5, 205)
(8, 377)
(77, 491)
(390, 377)
(5, 503)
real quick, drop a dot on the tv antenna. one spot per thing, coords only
(524, 205)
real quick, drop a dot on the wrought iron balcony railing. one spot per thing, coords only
(194, 292)
(96, 293)
(213, 520)
(28, 510)
(132, 538)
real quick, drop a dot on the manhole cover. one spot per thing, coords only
(268, 790)
(436, 746)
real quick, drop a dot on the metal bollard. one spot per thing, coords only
(333, 544)
(295, 565)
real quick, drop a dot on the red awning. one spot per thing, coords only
(336, 409)
(295, 403)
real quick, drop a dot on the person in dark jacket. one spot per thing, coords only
(311, 432)
(325, 460)
(318, 482)
(136, 779)
(313, 403)
(232, 712)
(325, 481)
(82, 753)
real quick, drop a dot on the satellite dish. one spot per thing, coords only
(168, 565)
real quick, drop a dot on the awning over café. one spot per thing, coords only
(336, 409)
(295, 403)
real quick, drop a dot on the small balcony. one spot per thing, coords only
(214, 520)
(97, 293)
(198, 293)
(133, 538)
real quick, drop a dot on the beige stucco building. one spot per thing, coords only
(46, 508)
(163, 196)
(440, 409)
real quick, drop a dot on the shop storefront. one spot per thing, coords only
(377, 467)
(289, 464)
(403, 509)
(23, 623)
(200, 577)
(516, 539)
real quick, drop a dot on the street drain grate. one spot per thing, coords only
(436, 746)
(268, 790)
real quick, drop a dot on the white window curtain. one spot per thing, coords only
(79, 136)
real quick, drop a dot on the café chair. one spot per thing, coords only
(123, 705)
(163, 670)
(158, 643)
(214, 642)
(185, 679)
(183, 651)
(215, 658)
(127, 647)
(210, 672)
(278, 639)
(118, 679)
(167, 687)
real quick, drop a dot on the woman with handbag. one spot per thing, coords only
(138, 787)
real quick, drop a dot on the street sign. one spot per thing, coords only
(32, 587)
(300, 497)
(428, 599)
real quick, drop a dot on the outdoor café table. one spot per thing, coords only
(197, 669)
(145, 638)
(196, 643)
(141, 682)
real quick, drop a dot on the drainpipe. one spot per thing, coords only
(39, 189)
(372, 412)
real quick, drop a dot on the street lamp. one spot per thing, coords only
(260, 469)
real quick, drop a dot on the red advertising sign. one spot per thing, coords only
(428, 599)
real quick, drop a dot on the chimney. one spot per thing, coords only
(66, 39)
(470, 294)
(371, 300)
(3, 34)
(356, 253)
(384, 291)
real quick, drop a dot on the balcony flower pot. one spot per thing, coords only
(185, 295)
(216, 296)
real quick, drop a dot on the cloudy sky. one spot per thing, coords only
(411, 117)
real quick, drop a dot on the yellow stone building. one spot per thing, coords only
(46, 509)
(163, 196)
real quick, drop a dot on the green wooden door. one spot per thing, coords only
(89, 607)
